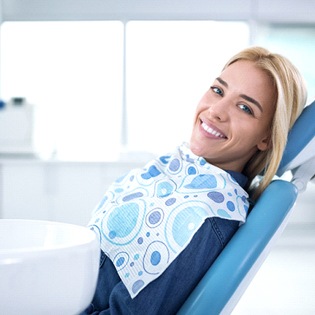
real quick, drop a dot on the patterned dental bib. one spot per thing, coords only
(148, 217)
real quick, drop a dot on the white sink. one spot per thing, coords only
(46, 267)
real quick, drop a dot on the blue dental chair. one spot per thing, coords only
(223, 285)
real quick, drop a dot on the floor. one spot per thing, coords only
(285, 284)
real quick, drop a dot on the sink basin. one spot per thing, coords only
(46, 267)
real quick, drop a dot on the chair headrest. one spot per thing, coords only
(301, 141)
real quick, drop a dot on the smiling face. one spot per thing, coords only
(233, 118)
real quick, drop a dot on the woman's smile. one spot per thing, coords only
(212, 131)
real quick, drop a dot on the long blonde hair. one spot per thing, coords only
(290, 100)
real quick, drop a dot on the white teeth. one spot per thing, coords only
(212, 131)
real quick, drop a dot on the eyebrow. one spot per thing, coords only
(244, 96)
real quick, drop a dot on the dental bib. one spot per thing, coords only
(148, 217)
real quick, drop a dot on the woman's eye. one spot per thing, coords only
(217, 90)
(246, 109)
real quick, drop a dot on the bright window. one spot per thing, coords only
(73, 73)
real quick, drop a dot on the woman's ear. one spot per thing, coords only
(264, 144)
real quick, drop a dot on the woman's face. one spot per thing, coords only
(233, 118)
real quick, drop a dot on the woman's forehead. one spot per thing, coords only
(245, 77)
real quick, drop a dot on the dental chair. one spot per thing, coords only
(225, 282)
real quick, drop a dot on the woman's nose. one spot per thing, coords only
(219, 110)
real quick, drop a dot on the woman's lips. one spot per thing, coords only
(212, 130)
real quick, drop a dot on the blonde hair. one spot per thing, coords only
(290, 100)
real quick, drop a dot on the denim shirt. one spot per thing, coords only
(166, 294)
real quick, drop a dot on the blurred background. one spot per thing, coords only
(92, 88)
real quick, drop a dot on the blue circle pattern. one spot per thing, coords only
(149, 216)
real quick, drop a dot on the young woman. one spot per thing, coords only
(161, 227)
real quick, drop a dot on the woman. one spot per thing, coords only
(197, 199)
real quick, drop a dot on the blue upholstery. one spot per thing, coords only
(225, 282)
(300, 135)
(228, 271)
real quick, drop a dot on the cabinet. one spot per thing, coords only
(58, 191)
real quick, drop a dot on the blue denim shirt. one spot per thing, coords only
(166, 294)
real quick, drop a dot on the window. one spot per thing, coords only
(86, 91)
(72, 73)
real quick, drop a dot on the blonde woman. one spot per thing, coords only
(161, 227)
